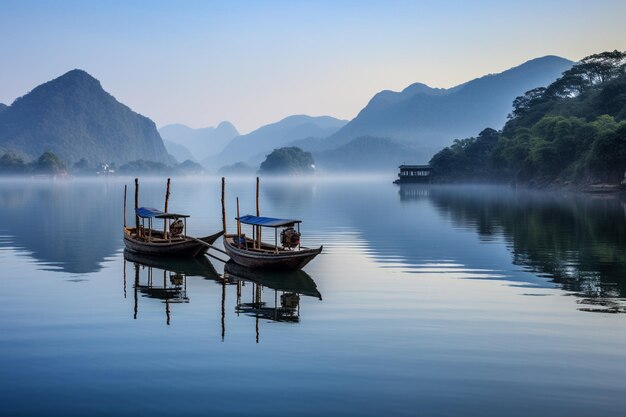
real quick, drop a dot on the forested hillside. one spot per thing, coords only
(573, 131)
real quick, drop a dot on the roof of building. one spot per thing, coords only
(423, 167)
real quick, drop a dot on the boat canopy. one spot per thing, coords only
(149, 212)
(266, 221)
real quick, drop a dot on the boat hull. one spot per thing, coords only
(282, 261)
(183, 248)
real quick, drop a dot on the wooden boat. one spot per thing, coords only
(172, 240)
(254, 254)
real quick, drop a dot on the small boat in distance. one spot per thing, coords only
(255, 254)
(170, 240)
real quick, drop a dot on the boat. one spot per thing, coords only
(172, 240)
(255, 254)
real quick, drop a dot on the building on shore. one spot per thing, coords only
(410, 174)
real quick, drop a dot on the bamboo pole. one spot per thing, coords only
(258, 228)
(223, 205)
(136, 205)
(238, 222)
(167, 199)
(167, 194)
(125, 186)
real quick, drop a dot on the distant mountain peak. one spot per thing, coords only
(431, 117)
(421, 88)
(74, 117)
(227, 126)
(76, 77)
(202, 142)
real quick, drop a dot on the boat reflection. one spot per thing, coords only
(290, 285)
(165, 279)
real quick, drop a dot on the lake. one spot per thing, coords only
(437, 301)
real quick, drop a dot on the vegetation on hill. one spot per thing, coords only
(75, 118)
(290, 160)
(47, 163)
(50, 164)
(573, 131)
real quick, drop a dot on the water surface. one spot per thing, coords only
(425, 301)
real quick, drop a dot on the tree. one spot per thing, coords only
(12, 164)
(49, 163)
(289, 160)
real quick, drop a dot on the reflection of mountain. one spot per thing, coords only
(578, 242)
(65, 225)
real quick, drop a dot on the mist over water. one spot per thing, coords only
(428, 300)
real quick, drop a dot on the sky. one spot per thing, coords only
(252, 63)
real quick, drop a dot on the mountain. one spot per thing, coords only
(369, 153)
(179, 152)
(3, 107)
(73, 117)
(572, 133)
(203, 142)
(432, 117)
(254, 146)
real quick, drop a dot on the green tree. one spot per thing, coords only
(49, 163)
(289, 160)
(12, 164)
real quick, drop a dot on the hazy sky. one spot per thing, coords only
(253, 63)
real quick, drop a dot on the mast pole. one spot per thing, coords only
(238, 222)
(125, 187)
(223, 205)
(136, 205)
(258, 228)
(167, 199)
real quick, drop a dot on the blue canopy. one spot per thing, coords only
(147, 212)
(267, 221)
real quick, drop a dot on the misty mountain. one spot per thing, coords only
(75, 118)
(254, 146)
(433, 117)
(3, 107)
(369, 153)
(179, 152)
(202, 142)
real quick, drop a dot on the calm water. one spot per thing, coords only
(438, 302)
